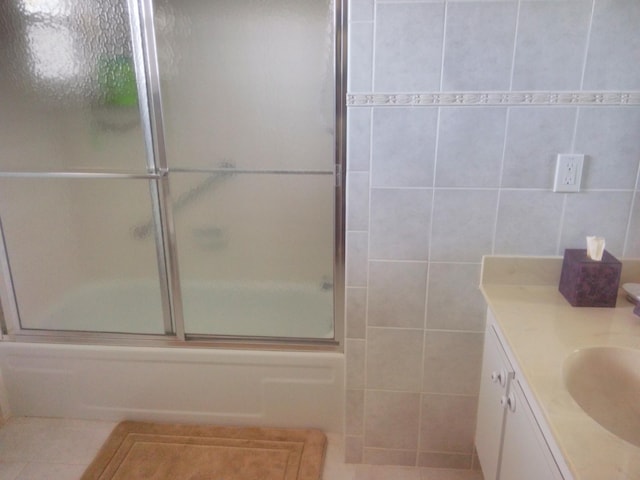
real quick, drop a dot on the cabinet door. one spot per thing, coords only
(496, 375)
(525, 454)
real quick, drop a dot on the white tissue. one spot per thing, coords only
(595, 248)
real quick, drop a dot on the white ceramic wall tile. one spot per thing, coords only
(612, 61)
(632, 249)
(452, 362)
(358, 139)
(354, 412)
(355, 360)
(356, 311)
(528, 222)
(454, 300)
(535, 135)
(393, 358)
(403, 147)
(353, 448)
(357, 201)
(553, 60)
(360, 57)
(390, 419)
(470, 145)
(448, 423)
(479, 44)
(463, 223)
(399, 224)
(397, 293)
(608, 136)
(356, 264)
(361, 10)
(604, 214)
(408, 46)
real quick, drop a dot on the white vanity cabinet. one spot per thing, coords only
(508, 440)
(496, 376)
(525, 454)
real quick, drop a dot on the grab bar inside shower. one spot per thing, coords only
(225, 170)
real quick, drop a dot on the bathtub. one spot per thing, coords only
(174, 384)
(222, 308)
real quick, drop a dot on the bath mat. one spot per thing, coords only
(153, 451)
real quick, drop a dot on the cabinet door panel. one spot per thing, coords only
(490, 411)
(525, 454)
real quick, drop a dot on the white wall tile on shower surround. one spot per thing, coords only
(356, 264)
(609, 137)
(358, 200)
(397, 294)
(390, 419)
(473, 159)
(359, 139)
(554, 60)
(394, 371)
(633, 239)
(455, 302)
(361, 10)
(479, 43)
(605, 214)
(356, 311)
(528, 222)
(612, 58)
(452, 362)
(463, 222)
(408, 47)
(448, 423)
(535, 136)
(399, 224)
(360, 57)
(403, 147)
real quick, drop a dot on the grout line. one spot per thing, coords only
(515, 46)
(500, 179)
(444, 38)
(587, 44)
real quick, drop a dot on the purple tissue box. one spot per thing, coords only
(588, 283)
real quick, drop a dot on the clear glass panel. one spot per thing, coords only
(248, 83)
(77, 259)
(68, 87)
(255, 253)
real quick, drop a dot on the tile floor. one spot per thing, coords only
(57, 449)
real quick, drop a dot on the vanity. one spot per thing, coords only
(559, 383)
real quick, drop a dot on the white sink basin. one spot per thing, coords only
(605, 382)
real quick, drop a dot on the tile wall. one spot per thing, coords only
(435, 181)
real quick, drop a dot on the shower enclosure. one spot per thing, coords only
(171, 171)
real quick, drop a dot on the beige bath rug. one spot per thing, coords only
(140, 451)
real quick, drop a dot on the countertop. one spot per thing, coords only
(541, 329)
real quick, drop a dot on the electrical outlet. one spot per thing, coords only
(568, 172)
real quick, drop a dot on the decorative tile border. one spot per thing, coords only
(493, 98)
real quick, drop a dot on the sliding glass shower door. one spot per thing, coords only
(168, 167)
(76, 173)
(249, 114)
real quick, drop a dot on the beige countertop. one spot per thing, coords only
(541, 329)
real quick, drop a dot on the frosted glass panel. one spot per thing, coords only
(68, 87)
(247, 82)
(76, 260)
(256, 253)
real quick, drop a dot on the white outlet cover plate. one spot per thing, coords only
(562, 162)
